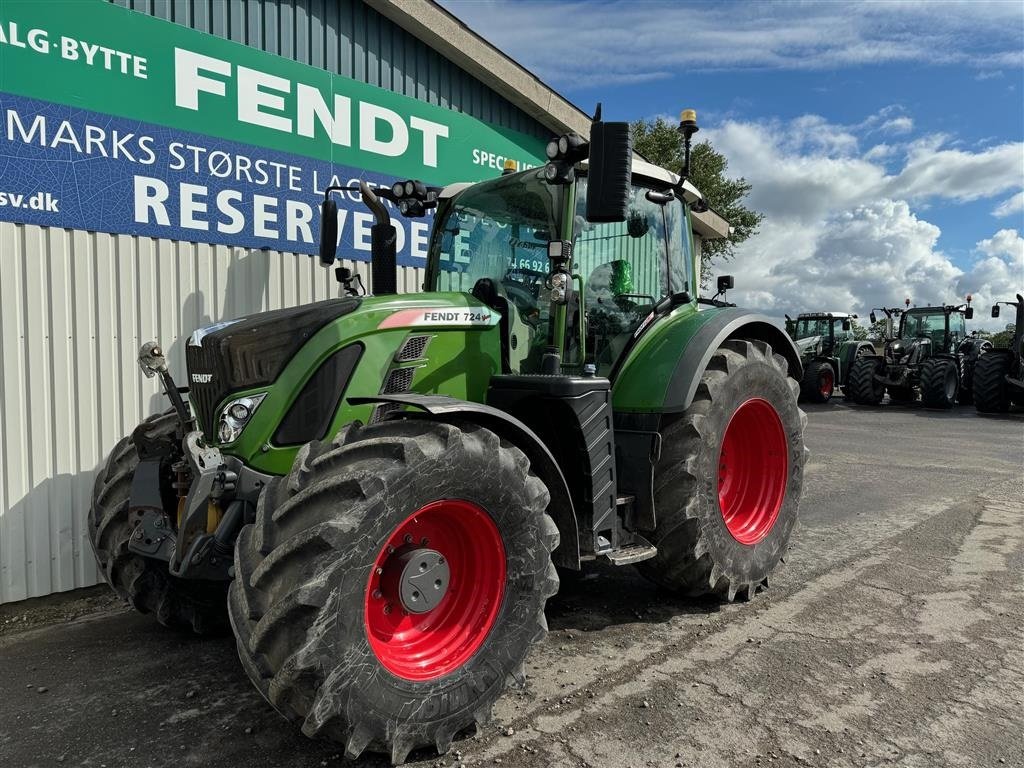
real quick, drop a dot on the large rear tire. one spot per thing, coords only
(142, 582)
(862, 386)
(324, 606)
(940, 383)
(819, 382)
(727, 486)
(991, 393)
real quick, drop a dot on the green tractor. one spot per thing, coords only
(375, 490)
(999, 374)
(828, 349)
(930, 356)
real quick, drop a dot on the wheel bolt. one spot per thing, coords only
(424, 541)
(408, 539)
(379, 570)
(391, 550)
(377, 594)
(440, 560)
(387, 608)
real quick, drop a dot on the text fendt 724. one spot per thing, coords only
(375, 490)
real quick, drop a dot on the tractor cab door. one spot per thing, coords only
(957, 331)
(626, 270)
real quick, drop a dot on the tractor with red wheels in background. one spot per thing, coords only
(828, 349)
(999, 375)
(930, 357)
(375, 490)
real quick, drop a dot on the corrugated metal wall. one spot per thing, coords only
(75, 306)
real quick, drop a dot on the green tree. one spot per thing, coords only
(860, 333)
(660, 142)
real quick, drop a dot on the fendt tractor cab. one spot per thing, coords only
(375, 490)
(828, 350)
(999, 374)
(931, 357)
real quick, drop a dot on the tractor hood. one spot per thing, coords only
(295, 369)
(251, 351)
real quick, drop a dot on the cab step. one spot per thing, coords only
(635, 552)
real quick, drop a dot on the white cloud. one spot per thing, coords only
(898, 125)
(1010, 206)
(612, 42)
(844, 233)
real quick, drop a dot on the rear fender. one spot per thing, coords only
(543, 463)
(729, 324)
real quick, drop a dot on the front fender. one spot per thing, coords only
(664, 369)
(543, 463)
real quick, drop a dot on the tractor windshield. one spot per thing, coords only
(924, 325)
(809, 327)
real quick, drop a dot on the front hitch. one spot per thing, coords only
(153, 363)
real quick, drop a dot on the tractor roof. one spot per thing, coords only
(821, 315)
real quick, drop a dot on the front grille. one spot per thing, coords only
(204, 396)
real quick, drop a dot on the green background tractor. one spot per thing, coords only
(931, 357)
(999, 374)
(828, 350)
(382, 485)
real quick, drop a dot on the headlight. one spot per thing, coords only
(235, 415)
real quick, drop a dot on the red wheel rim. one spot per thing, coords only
(752, 469)
(425, 646)
(826, 383)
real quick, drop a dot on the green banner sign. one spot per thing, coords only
(98, 57)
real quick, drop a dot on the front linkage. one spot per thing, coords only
(214, 494)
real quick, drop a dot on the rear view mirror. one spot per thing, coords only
(969, 313)
(995, 310)
(725, 283)
(873, 318)
(328, 231)
(846, 325)
(610, 168)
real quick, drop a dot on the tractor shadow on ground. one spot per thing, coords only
(603, 596)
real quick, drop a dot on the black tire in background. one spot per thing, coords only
(305, 608)
(142, 582)
(819, 382)
(940, 382)
(861, 386)
(991, 392)
(697, 552)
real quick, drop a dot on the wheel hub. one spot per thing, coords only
(423, 579)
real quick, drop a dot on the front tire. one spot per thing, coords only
(323, 583)
(862, 386)
(142, 582)
(819, 382)
(991, 393)
(940, 382)
(727, 487)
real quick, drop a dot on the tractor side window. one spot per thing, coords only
(625, 270)
(680, 247)
(842, 335)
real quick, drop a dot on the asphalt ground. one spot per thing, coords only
(892, 635)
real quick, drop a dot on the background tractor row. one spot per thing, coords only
(928, 355)
(375, 490)
(828, 351)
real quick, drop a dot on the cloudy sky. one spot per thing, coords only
(884, 140)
